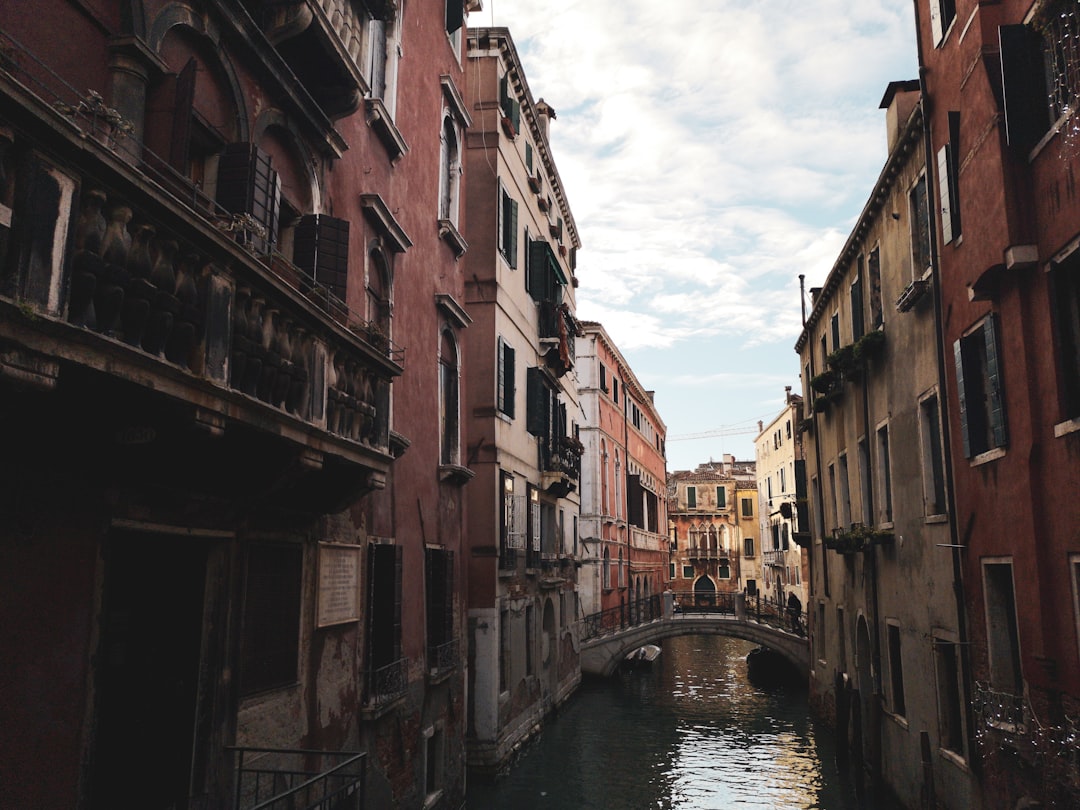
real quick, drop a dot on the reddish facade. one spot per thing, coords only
(232, 517)
(1003, 168)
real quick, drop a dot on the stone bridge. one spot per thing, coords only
(601, 654)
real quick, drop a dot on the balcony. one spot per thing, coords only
(646, 540)
(557, 331)
(298, 779)
(704, 553)
(132, 299)
(442, 659)
(560, 464)
(774, 557)
(322, 41)
(386, 684)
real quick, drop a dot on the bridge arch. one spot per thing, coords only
(602, 655)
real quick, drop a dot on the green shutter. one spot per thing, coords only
(513, 233)
(996, 394)
(958, 358)
(537, 394)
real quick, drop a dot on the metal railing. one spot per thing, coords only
(1000, 711)
(388, 683)
(443, 657)
(298, 779)
(631, 614)
(704, 602)
(780, 616)
(706, 553)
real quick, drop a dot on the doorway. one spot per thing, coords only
(148, 671)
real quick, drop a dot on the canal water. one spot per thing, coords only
(691, 733)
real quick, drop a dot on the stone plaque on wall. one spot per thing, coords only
(339, 584)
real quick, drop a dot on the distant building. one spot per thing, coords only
(780, 567)
(521, 408)
(712, 514)
(623, 506)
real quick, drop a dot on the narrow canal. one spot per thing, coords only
(692, 733)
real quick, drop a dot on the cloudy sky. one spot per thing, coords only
(711, 152)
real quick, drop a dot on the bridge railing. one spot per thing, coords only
(618, 618)
(765, 611)
(697, 602)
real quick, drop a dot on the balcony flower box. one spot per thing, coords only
(823, 383)
(912, 294)
(857, 538)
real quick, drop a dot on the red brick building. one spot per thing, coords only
(230, 352)
(1000, 86)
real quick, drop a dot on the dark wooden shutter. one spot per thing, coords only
(857, 327)
(271, 623)
(180, 142)
(247, 184)
(506, 378)
(512, 229)
(961, 392)
(538, 396)
(321, 249)
(1023, 81)
(455, 15)
(996, 395)
(633, 500)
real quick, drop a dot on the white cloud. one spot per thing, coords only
(710, 156)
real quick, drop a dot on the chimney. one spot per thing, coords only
(787, 394)
(760, 426)
(545, 115)
(898, 102)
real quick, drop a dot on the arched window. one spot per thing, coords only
(618, 489)
(449, 170)
(449, 401)
(379, 289)
(622, 571)
(712, 538)
(605, 573)
(604, 478)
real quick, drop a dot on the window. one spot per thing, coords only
(615, 390)
(783, 481)
(603, 378)
(948, 181)
(884, 476)
(834, 330)
(721, 498)
(455, 16)
(841, 639)
(512, 524)
(691, 497)
(533, 531)
(439, 587)
(724, 570)
(449, 169)
(748, 546)
(845, 494)
(942, 13)
(833, 511)
(896, 670)
(856, 298)
(932, 460)
(321, 249)
(505, 650)
(873, 267)
(819, 506)
(747, 507)
(1065, 281)
(379, 290)
(508, 226)
(509, 106)
(505, 384)
(270, 637)
(246, 184)
(919, 207)
(819, 633)
(671, 571)
(529, 631)
(865, 480)
(979, 385)
(950, 707)
(449, 411)
(433, 760)
(688, 572)
(605, 579)
(1003, 638)
(384, 618)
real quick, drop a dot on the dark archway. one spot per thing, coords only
(704, 591)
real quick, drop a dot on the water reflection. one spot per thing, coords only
(690, 734)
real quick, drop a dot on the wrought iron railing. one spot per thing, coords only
(387, 683)
(765, 611)
(298, 779)
(1000, 711)
(705, 602)
(443, 658)
(614, 619)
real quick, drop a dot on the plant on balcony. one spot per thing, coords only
(821, 404)
(869, 346)
(823, 383)
(856, 539)
(375, 335)
(843, 363)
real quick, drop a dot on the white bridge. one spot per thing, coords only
(609, 637)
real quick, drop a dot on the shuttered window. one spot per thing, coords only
(508, 227)
(920, 228)
(321, 249)
(942, 13)
(510, 106)
(857, 328)
(979, 385)
(384, 604)
(439, 586)
(1023, 81)
(1065, 279)
(247, 184)
(539, 395)
(505, 388)
(455, 15)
